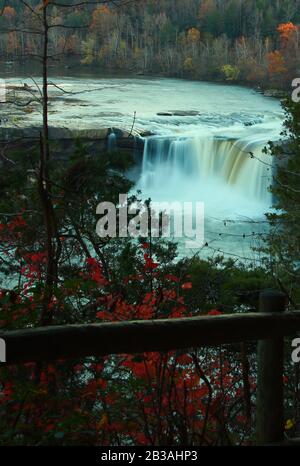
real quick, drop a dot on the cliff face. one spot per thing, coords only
(63, 140)
(9, 132)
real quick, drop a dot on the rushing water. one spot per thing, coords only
(206, 146)
(195, 168)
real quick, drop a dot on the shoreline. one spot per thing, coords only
(12, 69)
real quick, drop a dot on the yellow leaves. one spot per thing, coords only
(87, 60)
(290, 423)
(188, 64)
(123, 45)
(193, 35)
(230, 72)
(88, 48)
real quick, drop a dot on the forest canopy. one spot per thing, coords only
(252, 41)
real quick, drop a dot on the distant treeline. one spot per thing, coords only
(250, 41)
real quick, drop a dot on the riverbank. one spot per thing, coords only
(68, 68)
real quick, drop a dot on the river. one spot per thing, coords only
(199, 150)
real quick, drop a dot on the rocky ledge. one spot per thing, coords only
(56, 133)
(180, 113)
(276, 93)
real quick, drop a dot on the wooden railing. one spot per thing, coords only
(268, 327)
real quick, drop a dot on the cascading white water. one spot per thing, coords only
(202, 156)
(206, 169)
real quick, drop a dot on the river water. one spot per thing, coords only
(206, 145)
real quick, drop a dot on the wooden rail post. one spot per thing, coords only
(269, 414)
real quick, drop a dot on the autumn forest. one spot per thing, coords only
(253, 42)
(149, 225)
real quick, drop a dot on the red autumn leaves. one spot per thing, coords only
(143, 399)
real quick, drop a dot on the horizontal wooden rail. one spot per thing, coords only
(73, 341)
(268, 327)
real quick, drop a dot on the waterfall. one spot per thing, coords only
(112, 142)
(206, 168)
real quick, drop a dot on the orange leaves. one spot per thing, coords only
(9, 12)
(100, 16)
(286, 31)
(187, 286)
(43, 5)
(279, 60)
(276, 63)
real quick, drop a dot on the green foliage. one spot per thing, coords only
(284, 239)
(230, 72)
(223, 284)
